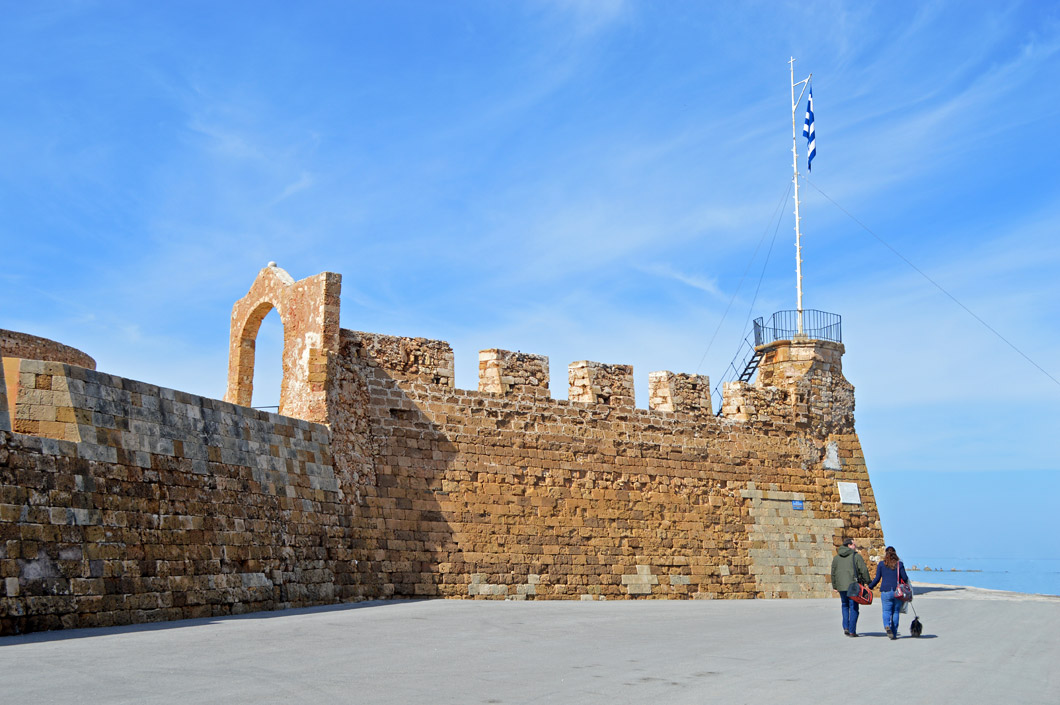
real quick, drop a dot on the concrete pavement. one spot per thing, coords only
(979, 646)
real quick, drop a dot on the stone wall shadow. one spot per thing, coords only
(392, 459)
(90, 632)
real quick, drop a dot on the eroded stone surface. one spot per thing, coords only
(682, 393)
(599, 383)
(505, 372)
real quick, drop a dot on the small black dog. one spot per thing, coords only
(916, 628)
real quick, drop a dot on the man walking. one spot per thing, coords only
(848, 567)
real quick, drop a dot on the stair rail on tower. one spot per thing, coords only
(782, 325)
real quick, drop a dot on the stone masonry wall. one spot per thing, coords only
(123, 502)
(165, 506)
(808, 375)
(15, 346)
(515, 495)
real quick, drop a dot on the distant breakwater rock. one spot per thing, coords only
(929, 569)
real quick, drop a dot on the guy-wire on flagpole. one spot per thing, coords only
(795, 168)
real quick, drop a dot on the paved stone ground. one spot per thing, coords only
(979, 646)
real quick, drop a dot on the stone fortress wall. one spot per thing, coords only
(155, 504)
(123, 502)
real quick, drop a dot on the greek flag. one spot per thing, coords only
(807, 132)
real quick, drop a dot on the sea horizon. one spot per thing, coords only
(1038, 576)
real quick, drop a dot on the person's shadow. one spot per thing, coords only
(901, 635)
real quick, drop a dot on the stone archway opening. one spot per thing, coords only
(267, 373)
(308, 311)
(245, 342)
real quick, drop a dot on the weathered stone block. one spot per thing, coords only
(682, 393)
(504, 372)
(599, 383)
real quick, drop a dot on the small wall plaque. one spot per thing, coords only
(848, 493)
(796, 504)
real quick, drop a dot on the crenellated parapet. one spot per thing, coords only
(679, 392)
(406, 359)
(600, 383)
(512, 373)
(750, 404)
(805, 376)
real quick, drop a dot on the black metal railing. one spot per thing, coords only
(784, 325)
(746, 360)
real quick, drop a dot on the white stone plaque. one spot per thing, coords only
(831, 457)
(848, 493)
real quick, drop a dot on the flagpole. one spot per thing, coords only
(795, 178)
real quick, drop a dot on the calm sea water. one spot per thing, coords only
(1040, 576)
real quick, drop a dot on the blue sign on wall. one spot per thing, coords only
(796, 504)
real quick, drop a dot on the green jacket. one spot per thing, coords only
(846, 571)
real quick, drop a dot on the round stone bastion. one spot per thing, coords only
(32, 347)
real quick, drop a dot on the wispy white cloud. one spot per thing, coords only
(585, 180)
(588, 17)
(915, 127)
(701, 283)
(305, 180)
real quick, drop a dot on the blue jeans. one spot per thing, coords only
(850, 613)
(891, 609)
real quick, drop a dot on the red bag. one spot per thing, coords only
(904, 591)
(859, 594)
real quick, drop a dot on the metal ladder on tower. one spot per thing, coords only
(743, 366)
(751, 366)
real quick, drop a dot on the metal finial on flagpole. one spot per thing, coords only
(795, 168)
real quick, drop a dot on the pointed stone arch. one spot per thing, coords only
(309, 313)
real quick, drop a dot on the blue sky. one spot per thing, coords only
(584, 180)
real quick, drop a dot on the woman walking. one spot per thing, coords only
(889, 571)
